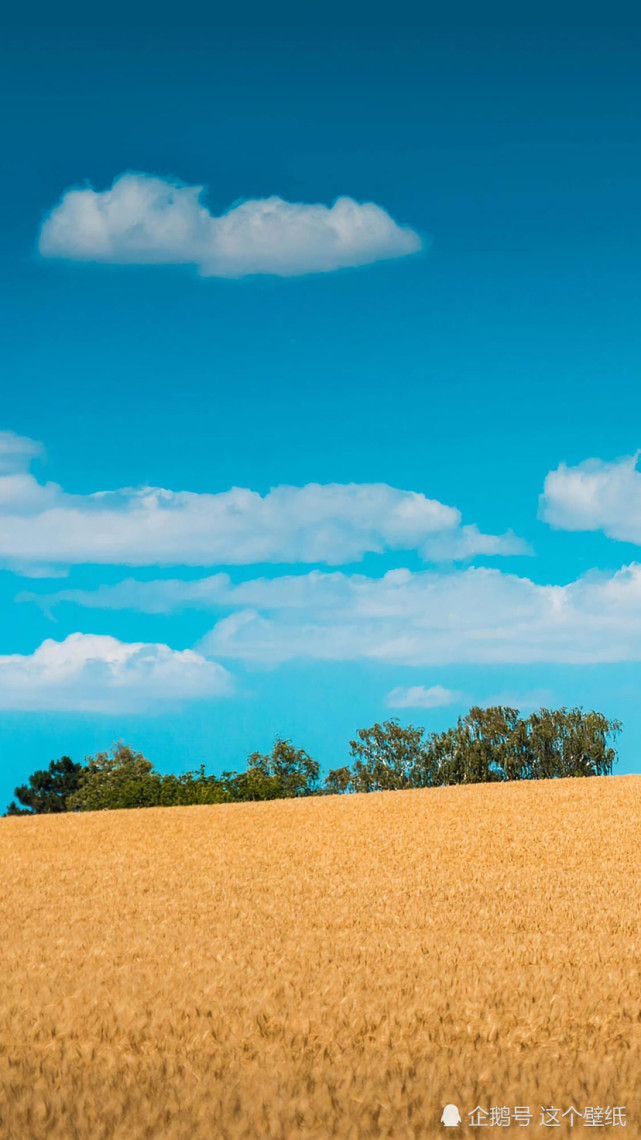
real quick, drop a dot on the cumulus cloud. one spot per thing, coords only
(332, 523)
(420, 697)
(86, 672)
(422, 618)
(595, 495)
(427, 618)
(146, 220)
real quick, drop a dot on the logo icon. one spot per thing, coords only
(451, 1116)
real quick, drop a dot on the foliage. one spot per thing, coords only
(285, 772)
(192, 788)
(568, 742)
(124, 778)
(487, 745)
(338, 781)
(121, 778)
(386, 757)
(48, 789)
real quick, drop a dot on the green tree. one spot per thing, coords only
(192, 788)
(481, 746)
(283, 773)
(388, 757)
(486, 745)
(121, 778)
(569, 742)
(338, 781)
(48, 789)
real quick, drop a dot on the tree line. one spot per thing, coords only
(487, 745)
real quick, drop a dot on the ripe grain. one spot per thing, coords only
(332, 967)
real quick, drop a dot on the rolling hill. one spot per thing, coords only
(333, 967)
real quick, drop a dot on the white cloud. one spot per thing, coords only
(424, 618)
(332, 523)
(159, 596)
(93, 673)
(17, 452)
(468, 541)
(429, 618)
(148, 220)
(595, 495)
(418, 697)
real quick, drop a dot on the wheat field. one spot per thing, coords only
(332, 967)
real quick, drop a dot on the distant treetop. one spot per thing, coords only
(487, 745)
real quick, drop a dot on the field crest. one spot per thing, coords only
(332, 967)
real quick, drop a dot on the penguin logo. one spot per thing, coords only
(451, 1116)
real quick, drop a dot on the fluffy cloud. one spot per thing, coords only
(146, 220)
(595, 495)
(427, 618)
(424, 618)
(17, 452)
(418, 697)
(101, 674)
(333, 523)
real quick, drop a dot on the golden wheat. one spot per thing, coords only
(334, 967)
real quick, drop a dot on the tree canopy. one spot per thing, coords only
(48, 789)
(486, 745)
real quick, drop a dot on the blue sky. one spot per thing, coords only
(417, 373)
